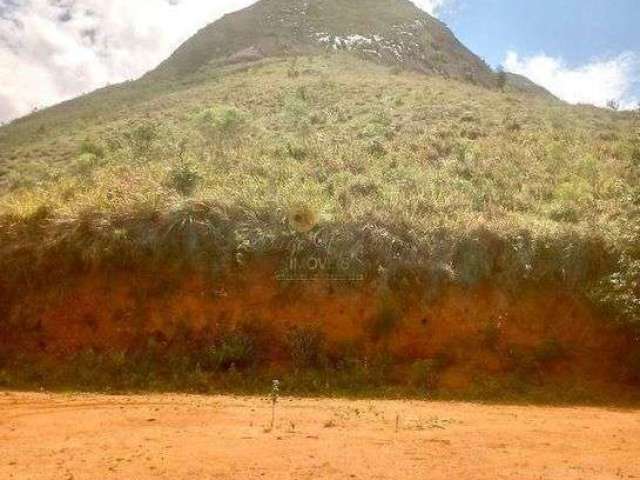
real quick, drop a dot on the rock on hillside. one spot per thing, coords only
(392, 32)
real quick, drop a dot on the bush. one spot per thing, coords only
(232, 350)
(140, 138)
(184, 179)
(218, 124)
(619, 293)
(380, 126)
(297, 115)
(512, 124)
(90, 147)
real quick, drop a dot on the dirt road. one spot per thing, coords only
(88, 437)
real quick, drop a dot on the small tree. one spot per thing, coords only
(183, 178)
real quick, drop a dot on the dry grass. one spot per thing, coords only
(412, 170)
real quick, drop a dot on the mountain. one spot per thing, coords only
(391, 32)
(333, 193)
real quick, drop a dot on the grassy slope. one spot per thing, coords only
(390, 160)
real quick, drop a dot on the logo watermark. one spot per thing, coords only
(314, 259)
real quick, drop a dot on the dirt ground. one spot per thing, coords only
(46, 436)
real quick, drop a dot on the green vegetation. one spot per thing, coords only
(155, 370)
(446, 179)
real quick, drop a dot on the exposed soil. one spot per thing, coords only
(175, 437)
(480, 331)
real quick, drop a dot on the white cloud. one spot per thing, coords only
(430, 6)
(53, 50)
(594, 83)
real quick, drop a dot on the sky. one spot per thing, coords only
(584, 51)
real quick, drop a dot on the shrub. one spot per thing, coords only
(619, 292)
(90, 147)
(140, 137)
(183, 178)
(379, 126)
(220, 123)
(232, 350)
(512, 124)
(296, 114)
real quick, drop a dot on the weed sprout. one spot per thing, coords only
(275, 394)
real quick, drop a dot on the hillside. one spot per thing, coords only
(320, 210)
(522, 84)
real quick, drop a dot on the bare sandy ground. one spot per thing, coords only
(176, 437)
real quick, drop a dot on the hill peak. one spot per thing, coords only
(392, 32)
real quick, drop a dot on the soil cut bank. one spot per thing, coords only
(449, 339)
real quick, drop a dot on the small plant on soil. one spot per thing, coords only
(275, 395)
